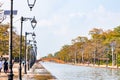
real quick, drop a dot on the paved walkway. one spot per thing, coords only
(36, 70)
(4, 76)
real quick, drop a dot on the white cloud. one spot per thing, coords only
(57, 24)
(101, 17)
(61, 24)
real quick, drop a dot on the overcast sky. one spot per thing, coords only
(60, 21)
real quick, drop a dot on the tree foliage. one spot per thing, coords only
(4, 41)
(99, 46)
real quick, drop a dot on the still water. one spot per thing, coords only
(71, 72)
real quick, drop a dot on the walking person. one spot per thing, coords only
(5, 66)
(1, 64)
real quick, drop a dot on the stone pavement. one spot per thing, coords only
(4, 76)
(36, 70)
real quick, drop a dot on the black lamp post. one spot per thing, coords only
(10, 75)
(33, 35)
(35, 51)
(26, 50)
(32, 53)
(31, 47)
(33, 21)
(31, 4)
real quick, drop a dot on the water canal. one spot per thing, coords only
(72, 72)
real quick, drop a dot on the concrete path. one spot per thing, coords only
(36, 70)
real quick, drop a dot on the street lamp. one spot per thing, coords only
(30, 47)
(10, 75)
(31, 4)
(33, 35)
(34, 41)
(33, 23)
(32, 53)
(35, 48)
(26, 50)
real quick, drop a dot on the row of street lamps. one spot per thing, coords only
(33, 21)
(25, 55)
(33, 24)
(32, 53)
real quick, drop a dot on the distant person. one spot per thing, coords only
(1, 64)
(23, 62)
(5, 66)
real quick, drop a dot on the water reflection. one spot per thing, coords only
(71, 72)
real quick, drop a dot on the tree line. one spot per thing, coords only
(102, 47)
(4, 42)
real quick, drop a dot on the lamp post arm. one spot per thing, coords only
(25, 19)
(27, 33)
